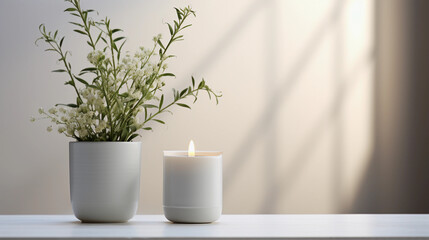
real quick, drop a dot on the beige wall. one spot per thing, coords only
(295, 123)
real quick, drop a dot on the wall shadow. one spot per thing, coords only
(301, 158)
(396, 179)
(265, 126)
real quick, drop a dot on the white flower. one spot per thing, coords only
(149, 70)
(84, 93)
(81, 121)
(96, 57)
(70, 130)
(83, 108)
(61, 129)
(83, 133)
(139, 73)
(72, 113)
(147, 52)
(101, 126)
(126, 59)
(156, 38)
(140, 109)
(99, 104)
(136, 123)
(52, 110)
(41, 110)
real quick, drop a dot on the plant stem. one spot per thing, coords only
(171, 104)
(86, 26)
(63, 58)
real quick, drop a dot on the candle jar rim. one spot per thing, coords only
(197, 153)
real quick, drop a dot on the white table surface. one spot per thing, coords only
(406, 226)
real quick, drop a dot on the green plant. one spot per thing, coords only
(122, 88)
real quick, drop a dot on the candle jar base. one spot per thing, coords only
(192, 214)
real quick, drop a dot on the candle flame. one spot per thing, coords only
(191, 149)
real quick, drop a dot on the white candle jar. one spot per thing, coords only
(192, 186)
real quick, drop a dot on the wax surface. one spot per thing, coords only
(193, 181)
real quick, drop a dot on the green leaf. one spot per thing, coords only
(157, 120)
(160, 44)
(116, 30)
(80, 31)
(166, 75)
(98, 38)
(72, 105)
(170, 28)
(118, 39)
(186, 26)
(178, 38)
(95, 79)
(124, 133)
(132, 128)
(81, 80)
(132, 100)
(147, 128)
(133, 136)
(183, 105)
(77, 24)
(174, 94)
(179, 13)
(59, 70)
(208, 93)
(115, 47)
(61, 41)
(124, 95)
(193, 81)
(94, 87)
(149, 106)
(161, 102)
(70, 10)
(202, 83)
(89, 69)
(42, 27)
(120, 48)
(183, 92)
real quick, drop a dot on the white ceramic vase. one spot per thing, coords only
(104, 180)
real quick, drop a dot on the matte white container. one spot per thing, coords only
(192, 186)
(104, 180)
